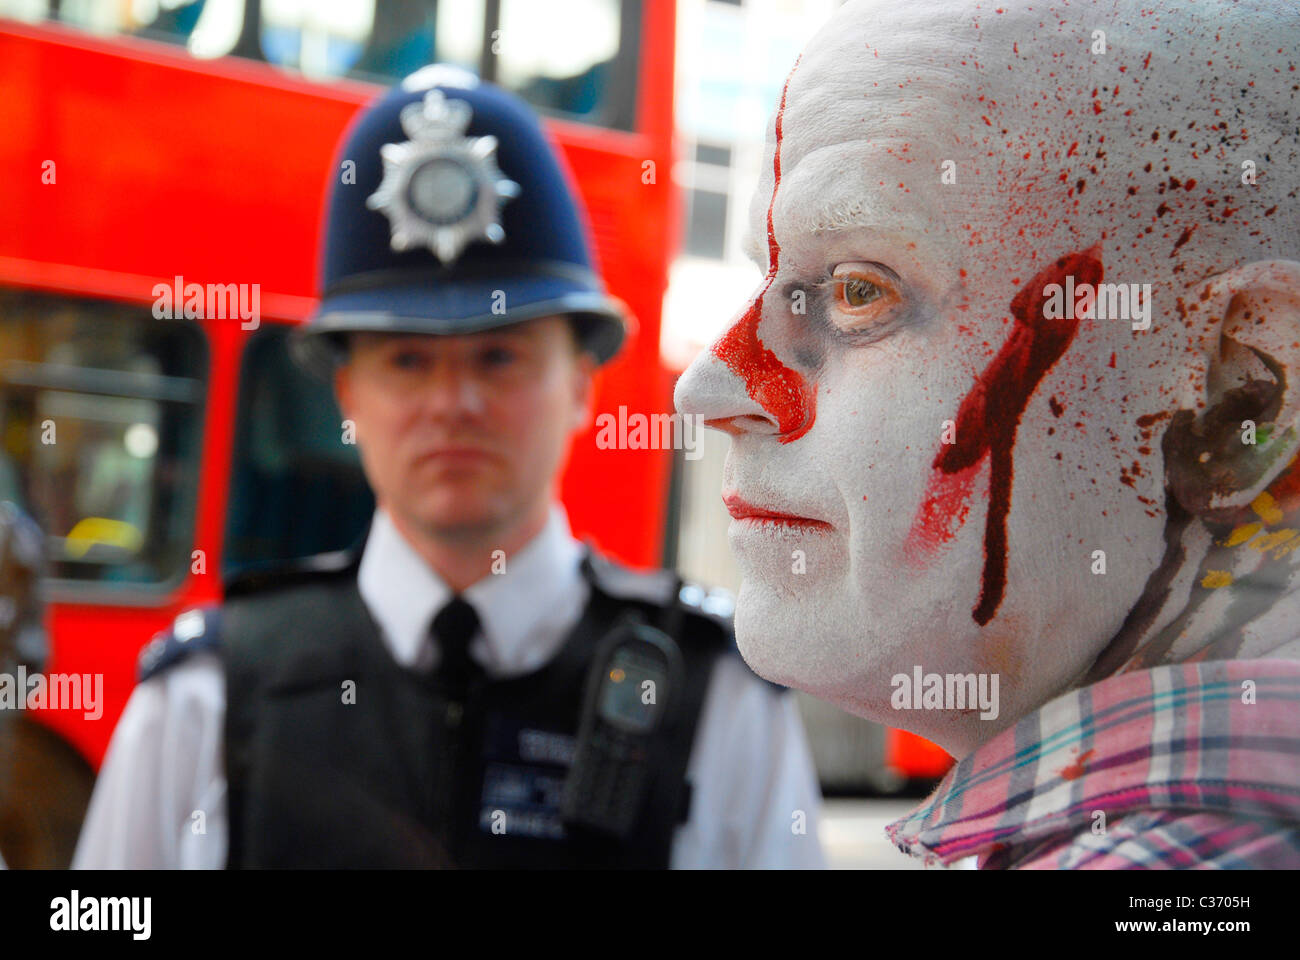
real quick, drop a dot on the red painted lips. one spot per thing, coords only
(742, 510)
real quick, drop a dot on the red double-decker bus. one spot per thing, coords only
(162, 454)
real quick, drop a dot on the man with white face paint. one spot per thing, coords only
(1014, 417)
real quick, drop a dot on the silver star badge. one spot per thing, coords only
(441, 189)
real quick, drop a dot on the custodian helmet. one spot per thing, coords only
(449, 213)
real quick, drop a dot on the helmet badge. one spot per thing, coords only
(441, 189)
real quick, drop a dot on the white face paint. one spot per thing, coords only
(922, 466)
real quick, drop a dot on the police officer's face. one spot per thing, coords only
(464, 435)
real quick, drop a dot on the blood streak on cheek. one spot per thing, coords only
(780, 391)
(986, 426)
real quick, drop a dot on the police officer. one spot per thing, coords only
(473, 687)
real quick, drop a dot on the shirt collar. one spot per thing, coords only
(525, 611)
(1217, 735)
(528, 609)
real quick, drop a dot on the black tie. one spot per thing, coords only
(453, 628)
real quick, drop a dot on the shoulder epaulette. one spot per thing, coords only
(654, 587)
(657, 587)
(199, 628)
(660, 588)
(719, 605)
(714, 602)
(195, 629)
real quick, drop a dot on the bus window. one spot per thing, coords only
(576, 59)
(207, 28)
(320, 39)
(100, 432)
(297, 487)
(381, 42)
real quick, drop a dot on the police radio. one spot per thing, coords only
(631, 694)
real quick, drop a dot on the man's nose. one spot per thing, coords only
(453, 390)
(710, 389)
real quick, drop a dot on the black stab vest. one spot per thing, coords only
(401, 776)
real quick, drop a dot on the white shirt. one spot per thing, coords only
(160, 800)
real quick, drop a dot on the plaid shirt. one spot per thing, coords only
(1166, 767)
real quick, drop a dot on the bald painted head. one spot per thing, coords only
(1031, 281)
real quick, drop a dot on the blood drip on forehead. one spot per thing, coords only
(780, 391)
(987, 421)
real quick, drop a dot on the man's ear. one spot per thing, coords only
(1249, 430)
(584, 390)
(343, 389)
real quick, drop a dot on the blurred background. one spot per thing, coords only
(169, 142)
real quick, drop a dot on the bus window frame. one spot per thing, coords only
(620, 113)
(284, 329)
(139, 594)
(624, 116)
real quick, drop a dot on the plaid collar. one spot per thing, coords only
(1187, 737)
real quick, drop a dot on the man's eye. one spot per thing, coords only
(497, 357)
(408, 360)
(858, 292)
(864, 291)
